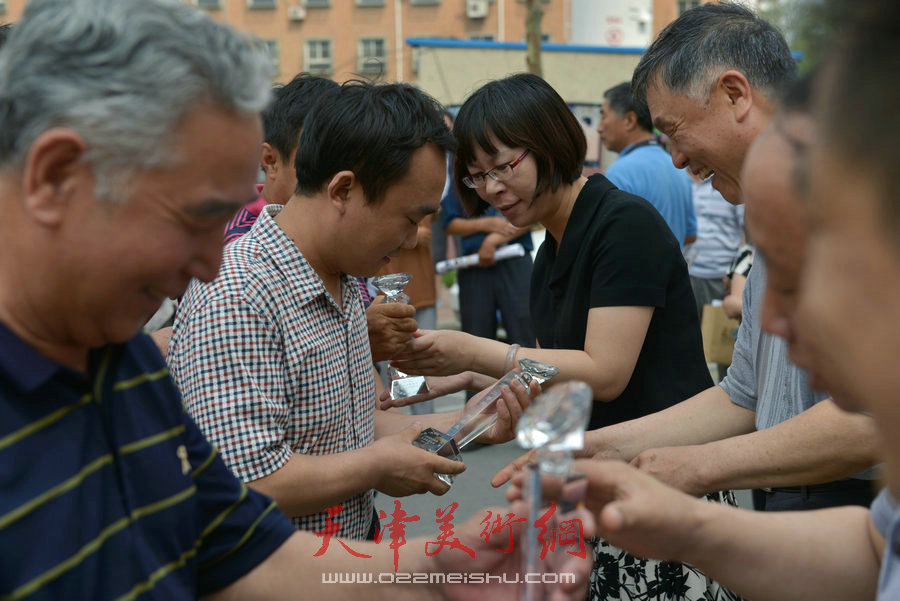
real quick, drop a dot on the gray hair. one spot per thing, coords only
(122, 74)
(704, 41)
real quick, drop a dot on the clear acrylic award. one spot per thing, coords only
(480, 416)
(402, 385)
(554, 425)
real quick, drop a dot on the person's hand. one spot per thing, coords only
(515, 466)
(506, 473)
(492, 557)
(675, 466)
(499, 225)
(435, 353)
(487, 249)
(638, 513)
(438, 386)
(408, 470)
(514, 399)
(391, 326)
(635, 511)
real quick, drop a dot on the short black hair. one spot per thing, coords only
(370, 129)
(283, 118)
(521, 110)
(859, 94)
(622, 100)
(725, 35)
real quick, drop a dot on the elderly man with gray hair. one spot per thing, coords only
(130, 133)
(711, 80)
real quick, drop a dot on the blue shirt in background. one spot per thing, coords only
(645, 169)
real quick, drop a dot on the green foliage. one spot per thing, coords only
(449, 278)
(810, 26)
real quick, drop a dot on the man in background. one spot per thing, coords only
(643, 167)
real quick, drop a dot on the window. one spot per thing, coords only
(481, 38)
(317, 58)
(424, 2)
(684, 5)
(371, 56)
(261, 3)
(317, 3)
(369, 2)
(208, 4)
(272, 49)
(2, 7)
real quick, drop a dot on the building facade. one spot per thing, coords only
(343, 39)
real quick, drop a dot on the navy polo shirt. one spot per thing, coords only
(107, 488)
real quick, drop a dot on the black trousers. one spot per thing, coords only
(504, 287)
(850, 491)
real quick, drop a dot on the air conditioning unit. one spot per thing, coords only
(296, 13)
(476, 9)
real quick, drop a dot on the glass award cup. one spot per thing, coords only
(402, 385)
(480, 416)
(554, 425)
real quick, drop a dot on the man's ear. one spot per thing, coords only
(270, 159)
(630, 120)
(737, 92)
(341, 190)
(53, 173)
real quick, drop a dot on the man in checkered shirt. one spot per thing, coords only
(273, 357)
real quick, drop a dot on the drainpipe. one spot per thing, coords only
(398, 39)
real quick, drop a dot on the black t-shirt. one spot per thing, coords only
(618, 251)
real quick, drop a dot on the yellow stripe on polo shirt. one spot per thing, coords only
(138, 380)
(76, 480)
(244, 538)
(221, 517)
(39, 424)
(50, 494)
(55, 572)
(208, 462)
(143, 443)
(158, 575)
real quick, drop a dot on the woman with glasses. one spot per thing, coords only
(610, 297)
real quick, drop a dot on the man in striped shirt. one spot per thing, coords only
(130, 133)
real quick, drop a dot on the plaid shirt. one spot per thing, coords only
(269, 365)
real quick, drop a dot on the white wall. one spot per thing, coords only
(625, 23)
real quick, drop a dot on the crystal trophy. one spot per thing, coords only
(554, 425)
(402, 385)
(481, 415)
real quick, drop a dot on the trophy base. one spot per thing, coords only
(402, 388)
(435, 441)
